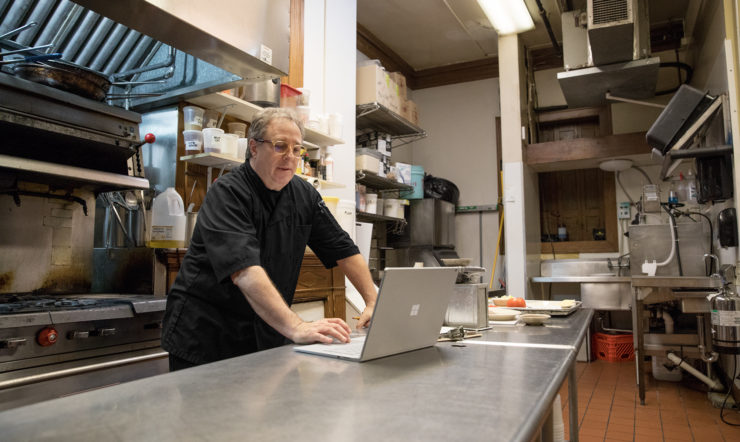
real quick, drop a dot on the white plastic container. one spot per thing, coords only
(346, 216)
(303, 112)
(192, 117)
(663, 374)
(193, 141)
(367, 159)
(168, 221)
(212, 139)
(393, 207)
(371, 202)
(230, 144)
(210, 118)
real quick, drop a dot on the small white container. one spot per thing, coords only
(393, 207)
(371, 202)
(193, 141)
(242, 145)
(212, 140)
(192, 117)
(323, 123)
(240, 129)
(229, 145)
(367, 159)
(304, 113)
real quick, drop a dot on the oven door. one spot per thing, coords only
(37, 384)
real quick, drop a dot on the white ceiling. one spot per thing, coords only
(433, 33)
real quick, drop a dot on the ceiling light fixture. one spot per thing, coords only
(507, 16)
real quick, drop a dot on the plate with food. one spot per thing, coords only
(534, 318)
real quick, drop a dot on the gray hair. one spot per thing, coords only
(263, 118)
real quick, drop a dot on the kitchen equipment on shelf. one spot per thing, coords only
(240, 129)
(212, 139)
(193, 141)
(265, 93)
(65, 76)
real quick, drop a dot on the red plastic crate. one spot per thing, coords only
(614, 348)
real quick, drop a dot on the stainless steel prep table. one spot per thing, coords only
(490, 390)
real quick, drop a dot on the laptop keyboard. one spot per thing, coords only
(353, 349)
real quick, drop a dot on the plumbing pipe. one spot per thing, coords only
(714, 385)
(651, 267)
(706, 356)
(668, 320)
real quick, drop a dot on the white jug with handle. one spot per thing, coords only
(168, 221)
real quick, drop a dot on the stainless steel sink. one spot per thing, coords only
(602, 286)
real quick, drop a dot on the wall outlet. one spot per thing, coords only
(624, 210)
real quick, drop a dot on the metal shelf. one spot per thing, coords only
(372, 217)
(371, 179)
(245, 111)
(377, 117)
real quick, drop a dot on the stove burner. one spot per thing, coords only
(34, 304)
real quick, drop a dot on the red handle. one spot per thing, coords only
(149, 138)
(47, 336)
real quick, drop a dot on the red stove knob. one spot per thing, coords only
(149, 138)
(47, 336)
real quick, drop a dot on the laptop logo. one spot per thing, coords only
(414, 310)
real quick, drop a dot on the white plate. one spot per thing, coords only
(534, 318)
(502, 314)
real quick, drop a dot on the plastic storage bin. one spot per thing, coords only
(367, 159)
(289, 96)
(417, 181)
(614, 348)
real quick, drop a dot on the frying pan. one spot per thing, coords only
(66, 76)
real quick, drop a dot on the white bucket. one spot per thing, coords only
(168, 221)
(346, 216)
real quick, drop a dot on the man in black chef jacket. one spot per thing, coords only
(237, 280)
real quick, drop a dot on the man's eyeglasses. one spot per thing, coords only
(281, 147)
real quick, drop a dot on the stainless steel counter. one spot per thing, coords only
(580, 279)
(498, 387)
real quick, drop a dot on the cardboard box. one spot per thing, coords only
(400, 81)
(373, 85)
(409, 112)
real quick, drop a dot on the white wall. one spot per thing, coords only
(461, 147)
(329, 71)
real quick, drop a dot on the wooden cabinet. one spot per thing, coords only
(315, 282)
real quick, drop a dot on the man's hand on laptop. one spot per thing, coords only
(365, 317)
(325, 331)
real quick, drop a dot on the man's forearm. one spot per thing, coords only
(266, 300)
(359, 274)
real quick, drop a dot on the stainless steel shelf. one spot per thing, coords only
(372, 217)
(371, 179)
(377, 117)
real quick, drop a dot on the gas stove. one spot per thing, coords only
(38, 329)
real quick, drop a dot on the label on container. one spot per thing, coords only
(192, 145)
(726, 318)
(163, 233)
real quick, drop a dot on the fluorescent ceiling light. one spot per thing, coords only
(507, 16)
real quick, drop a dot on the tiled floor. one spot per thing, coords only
(610, 410)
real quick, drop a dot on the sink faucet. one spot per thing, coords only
(619, 265)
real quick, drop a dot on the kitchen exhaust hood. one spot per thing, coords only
(158, 52)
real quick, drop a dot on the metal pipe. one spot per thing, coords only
(707, 355)
(714, 385)
(554, 41)
(79, 370)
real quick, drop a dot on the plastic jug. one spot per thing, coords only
(168, 221)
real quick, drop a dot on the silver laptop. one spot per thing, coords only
(409, 312)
